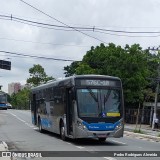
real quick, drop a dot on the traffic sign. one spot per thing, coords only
(5, 65)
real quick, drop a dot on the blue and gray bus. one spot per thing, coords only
(84, 106)
(3, 100)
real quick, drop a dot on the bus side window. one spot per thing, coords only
(43, 106)
(52, 108)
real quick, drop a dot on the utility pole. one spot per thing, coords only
(155, 104)
(157, 88)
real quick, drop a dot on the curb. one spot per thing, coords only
(3, 146)
(157, 139)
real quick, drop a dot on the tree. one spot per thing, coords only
(20, 100)
(71, 69)
(84, 69)
(8, 98)
(129, 63)
(38, 76)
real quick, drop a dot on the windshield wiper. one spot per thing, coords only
(106, 97)
(93, 95)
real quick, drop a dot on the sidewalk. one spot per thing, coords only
(146, 129)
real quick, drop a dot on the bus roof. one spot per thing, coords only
(70, 80)
(2, 93)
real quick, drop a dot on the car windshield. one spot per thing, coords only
(98, 102)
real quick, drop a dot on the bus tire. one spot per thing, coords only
(40, 126)
(102, 139)
(62, 132)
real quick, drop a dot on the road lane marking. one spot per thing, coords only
(17, 117)
(29, 125)
(69, 143)
(109, 158)
(13, 114)
(80, 147)
(21, 120)
(118, 142)
(91, 151)
(32, 126)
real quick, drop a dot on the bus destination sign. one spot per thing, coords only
(98, 83)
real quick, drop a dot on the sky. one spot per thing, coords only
(116, 15)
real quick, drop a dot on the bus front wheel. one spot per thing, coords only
(62, 132)
(102, 139)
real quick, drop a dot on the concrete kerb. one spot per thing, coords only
(4, 147)
(155, 138)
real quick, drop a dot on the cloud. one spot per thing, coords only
(132, 15)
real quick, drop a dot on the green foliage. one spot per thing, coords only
(71, 69)
(149, 95)
(21, 99)
(37, 76)
(8, 98)
(132, 64)
(139, 131)
(84, 69)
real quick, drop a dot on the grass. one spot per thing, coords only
(158, 135)
(138, 131)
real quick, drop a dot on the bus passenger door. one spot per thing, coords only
(69, 111)
(34, 109)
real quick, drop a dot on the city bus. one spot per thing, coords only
(82, 106)
(3, 100)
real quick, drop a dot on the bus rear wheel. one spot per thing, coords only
(102, 139)
(62, 132)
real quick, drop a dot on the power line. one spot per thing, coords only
(96, 26)
(98, 30)
(61, 29)
(39, 57)
(122, 35)
(62, 22)
(11, 17)
(44, 25)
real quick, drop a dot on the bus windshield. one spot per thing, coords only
(98, 102)
(2, 99)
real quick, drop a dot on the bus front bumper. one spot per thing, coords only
(3, 108)
(84, 133)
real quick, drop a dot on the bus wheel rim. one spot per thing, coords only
(40, 126)
(62, 131)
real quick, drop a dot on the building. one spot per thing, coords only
(14, 88)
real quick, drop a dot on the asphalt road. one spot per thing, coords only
(18, 132)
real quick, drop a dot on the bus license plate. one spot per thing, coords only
(101, 135)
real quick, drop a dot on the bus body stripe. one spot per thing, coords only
(100, 126)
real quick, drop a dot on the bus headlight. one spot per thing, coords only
(81, 125)
(119, 126)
